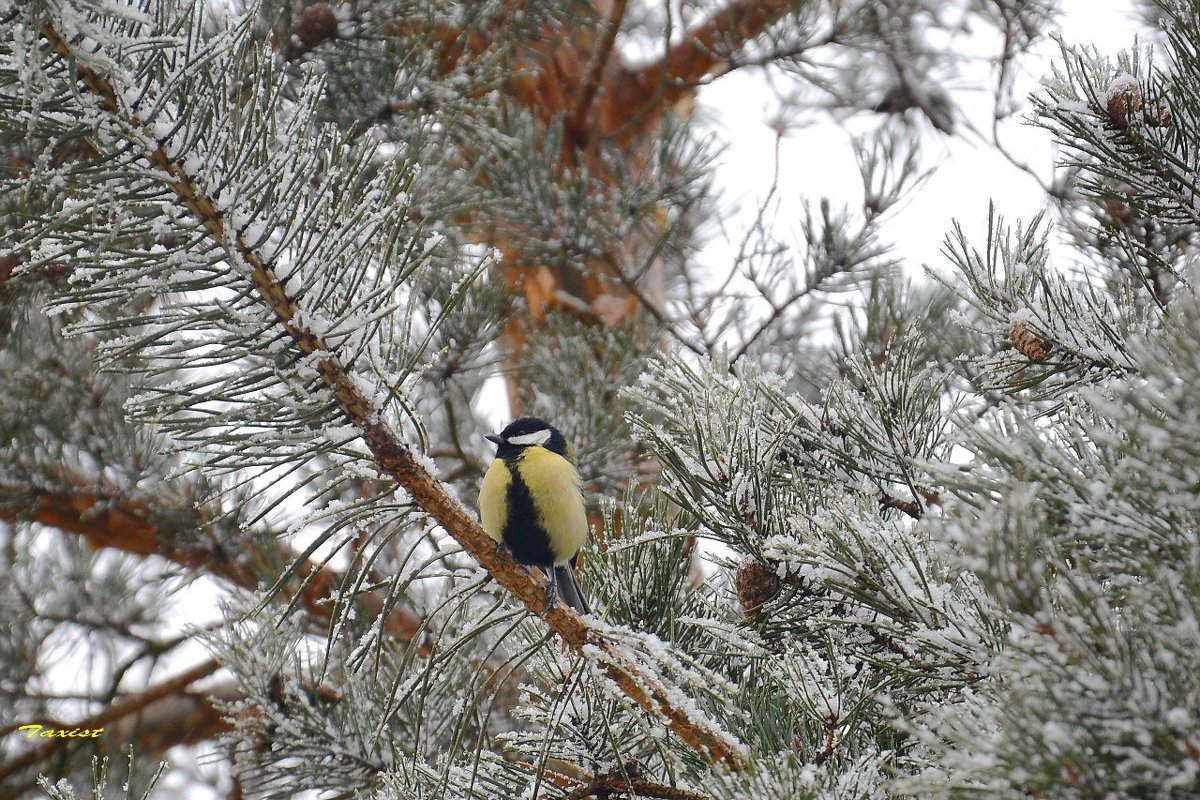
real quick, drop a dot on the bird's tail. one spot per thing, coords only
(568, 588)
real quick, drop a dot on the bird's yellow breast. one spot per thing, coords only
(556, 488)
(551, 485)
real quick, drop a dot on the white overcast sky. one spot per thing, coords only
(817, 160)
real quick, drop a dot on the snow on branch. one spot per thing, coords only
(245, 232)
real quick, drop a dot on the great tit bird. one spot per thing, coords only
(532, 503)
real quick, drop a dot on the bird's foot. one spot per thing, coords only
(551, 590)
(551, 598)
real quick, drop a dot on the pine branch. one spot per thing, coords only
(393, 456)
(126, 524)
(452, 43)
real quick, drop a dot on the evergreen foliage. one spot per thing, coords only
(261, 264)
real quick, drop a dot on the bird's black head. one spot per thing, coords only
(528, 432)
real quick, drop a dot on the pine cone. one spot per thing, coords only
(1124, 98)
(317, 24)
(1027, 343)
(756, 583)
(1157, 115)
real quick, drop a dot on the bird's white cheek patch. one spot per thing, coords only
(537, 437)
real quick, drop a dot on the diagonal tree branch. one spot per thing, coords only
(394, 457)
(125, 523)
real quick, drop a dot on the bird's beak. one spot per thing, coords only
(494, 439)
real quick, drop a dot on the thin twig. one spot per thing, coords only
(831, 725)
(734, 62)
(603, 787)
(910, 507)
(659, 316)
(697, 54)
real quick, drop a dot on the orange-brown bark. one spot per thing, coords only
(124, 523)
(710, 46)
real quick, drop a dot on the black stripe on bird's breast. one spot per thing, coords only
(524, 535)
